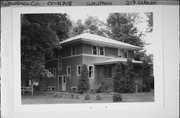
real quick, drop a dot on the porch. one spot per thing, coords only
(105, 71)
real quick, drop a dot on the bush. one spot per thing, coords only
(99, 89)
(117, 97)
(98, 97)
(83, 85)
(87, 96)
(117, 77)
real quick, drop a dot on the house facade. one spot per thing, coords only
(100, 54)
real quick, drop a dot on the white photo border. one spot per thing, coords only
(154, 109)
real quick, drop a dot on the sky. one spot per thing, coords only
(103, 15)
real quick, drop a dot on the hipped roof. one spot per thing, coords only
(100, 40)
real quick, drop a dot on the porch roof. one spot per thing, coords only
(115, 60)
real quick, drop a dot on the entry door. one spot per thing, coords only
(63, 83)
(59, 82)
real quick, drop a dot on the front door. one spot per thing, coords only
(63, 83)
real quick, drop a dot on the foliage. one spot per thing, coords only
(102, 88)
(99, 89)
(149, 21)
(83, 85)
(91, 25)
(40, 33)
(117, 77)
(127, 84)
(122, 28)
(117, 97)
(87, 96)
(146, 76)
(98, 97)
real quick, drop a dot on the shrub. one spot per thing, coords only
(117, 77)
(124, 84)
(83, 85)
(117, 97)
(98, 97)
(87, 96)
(99, 89)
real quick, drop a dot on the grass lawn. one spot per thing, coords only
(50, 98)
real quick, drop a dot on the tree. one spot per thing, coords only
(91, 25)
(83, 85)
(122, 28)
(149, 21)
(127, 84)
(146, 76)
(117, 77)
(40, 34)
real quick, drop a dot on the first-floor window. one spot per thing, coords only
(68, 70)
(78, 70)
(54, 72)
(91, 72)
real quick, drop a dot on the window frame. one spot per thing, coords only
(102, 50)
(78, 74)
(59, 61)
(92, 75)
(68, 72)
(96, 50)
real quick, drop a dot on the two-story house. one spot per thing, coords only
(100, 54)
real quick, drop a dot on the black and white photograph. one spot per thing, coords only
(87, 57)
(90, 61)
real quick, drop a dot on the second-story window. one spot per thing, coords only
(101, 51)
(60, 63)
(73, 50)
(94, 50)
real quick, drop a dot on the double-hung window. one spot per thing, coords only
(68, 70)
(60, 63)
(91, 72)
(78, 70)
(101, 50)
(94, 50)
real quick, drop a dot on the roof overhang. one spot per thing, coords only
(99, 40)
(116, 60)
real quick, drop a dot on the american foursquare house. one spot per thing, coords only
(100, 54)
